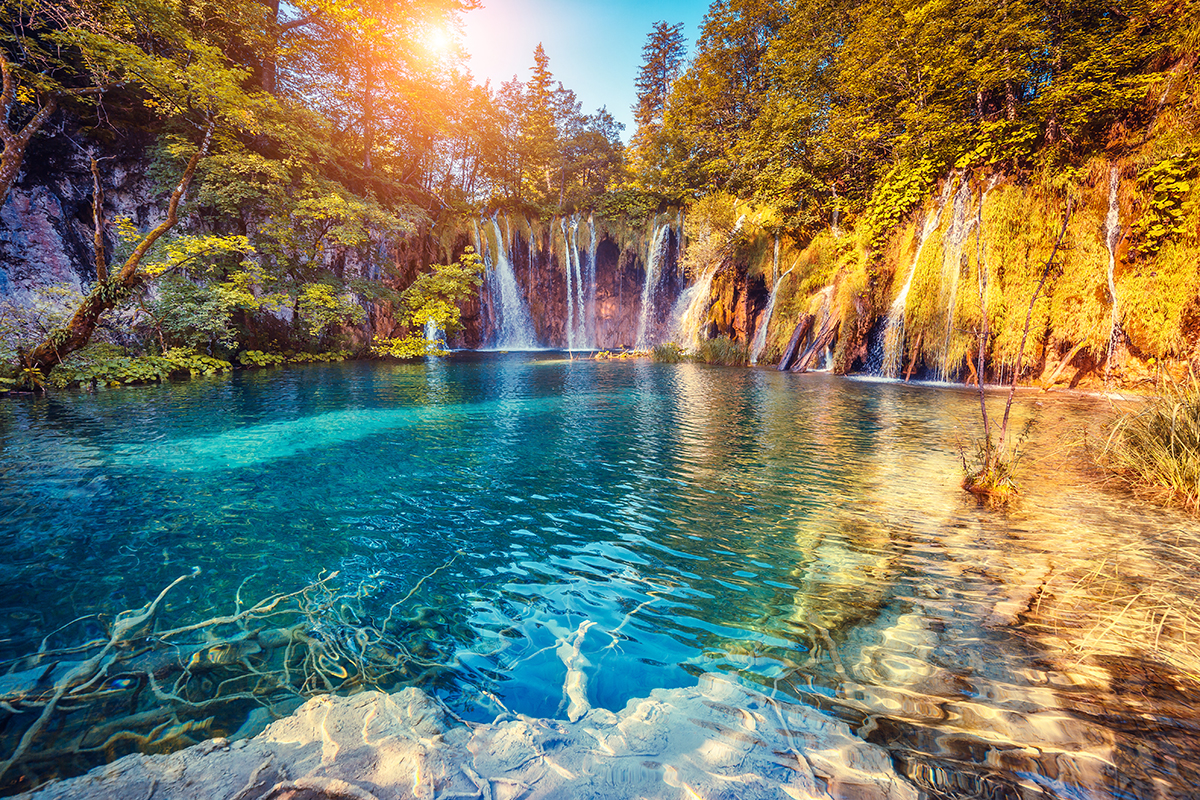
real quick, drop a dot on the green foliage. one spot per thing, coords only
(634, 206)
(1167, 184)
(26, 321)
(414, 345)
(321, 305)
(258, 358)
(714, 229)
(106, 365)
(192, 314)
(1000, 142)
(1156, 447)
(902, 188)
(434, 296)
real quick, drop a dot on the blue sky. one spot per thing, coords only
(595, 47)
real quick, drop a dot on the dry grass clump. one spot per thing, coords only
(1156, 448)
(1138, 600)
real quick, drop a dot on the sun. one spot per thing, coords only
(438, 41)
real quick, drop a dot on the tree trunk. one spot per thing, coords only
(15, 142)
(107, 294)
(824, 336)
(802, 329)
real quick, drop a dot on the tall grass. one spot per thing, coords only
(723, 350)
(1157, 447)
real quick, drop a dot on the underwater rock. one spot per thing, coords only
(719, 739)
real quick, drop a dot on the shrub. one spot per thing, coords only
(106, 364)
(258, 358)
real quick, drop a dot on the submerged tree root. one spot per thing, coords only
(150, 688)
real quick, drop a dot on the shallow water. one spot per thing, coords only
(804, 531)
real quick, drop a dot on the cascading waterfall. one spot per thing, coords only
(514, 326)
(655, 256)
(570, 270)
(822, 319)
(591, 289)
(433, 334)
(1112, 237)
(691, 308)
(760, 335)
(579, 334)
(962, 222)
(893, 337)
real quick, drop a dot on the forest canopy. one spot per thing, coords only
(304, 141)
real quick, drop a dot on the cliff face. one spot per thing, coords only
(1113, 310)
(46, 222)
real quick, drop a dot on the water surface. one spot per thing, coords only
(806, 532)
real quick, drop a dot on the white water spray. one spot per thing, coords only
(760, 335)
(514, 326)
(655, 256)
(691, 309)
(893, 338)
(1112, 237)
(962, 222)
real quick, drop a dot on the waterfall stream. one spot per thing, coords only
(655, 257)
(691, 308)
(591, 285)
(760, 335)
(893, 340)
(962, 222)
(514, 326)
(1112, 237)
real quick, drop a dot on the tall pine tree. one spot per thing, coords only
(662, 63)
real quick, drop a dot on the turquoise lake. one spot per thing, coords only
(806, 532)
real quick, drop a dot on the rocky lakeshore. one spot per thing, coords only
(719, 739)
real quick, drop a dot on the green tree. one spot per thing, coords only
(662, 63)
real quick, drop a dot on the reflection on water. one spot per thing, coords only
(803, 531)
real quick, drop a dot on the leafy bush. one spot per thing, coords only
(107, 365)
(415, 345)
(1157, 447)
(327, 357)
(904, 186)
(258, 358)
(1165, 215)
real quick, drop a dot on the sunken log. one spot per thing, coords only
(824, 337)
(803, 327)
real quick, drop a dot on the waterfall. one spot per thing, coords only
(775, 263)
(893, 338)
(1112, 237)
(513, 326)
(433, 335)
(570, 270)
(760, 335)
(655, 256)
(580, 332)
(578, 313)
(590, 328)
(962, 221)
(690, 309)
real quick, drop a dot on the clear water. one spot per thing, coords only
(804, 531)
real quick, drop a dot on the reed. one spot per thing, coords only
(1156, 447)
